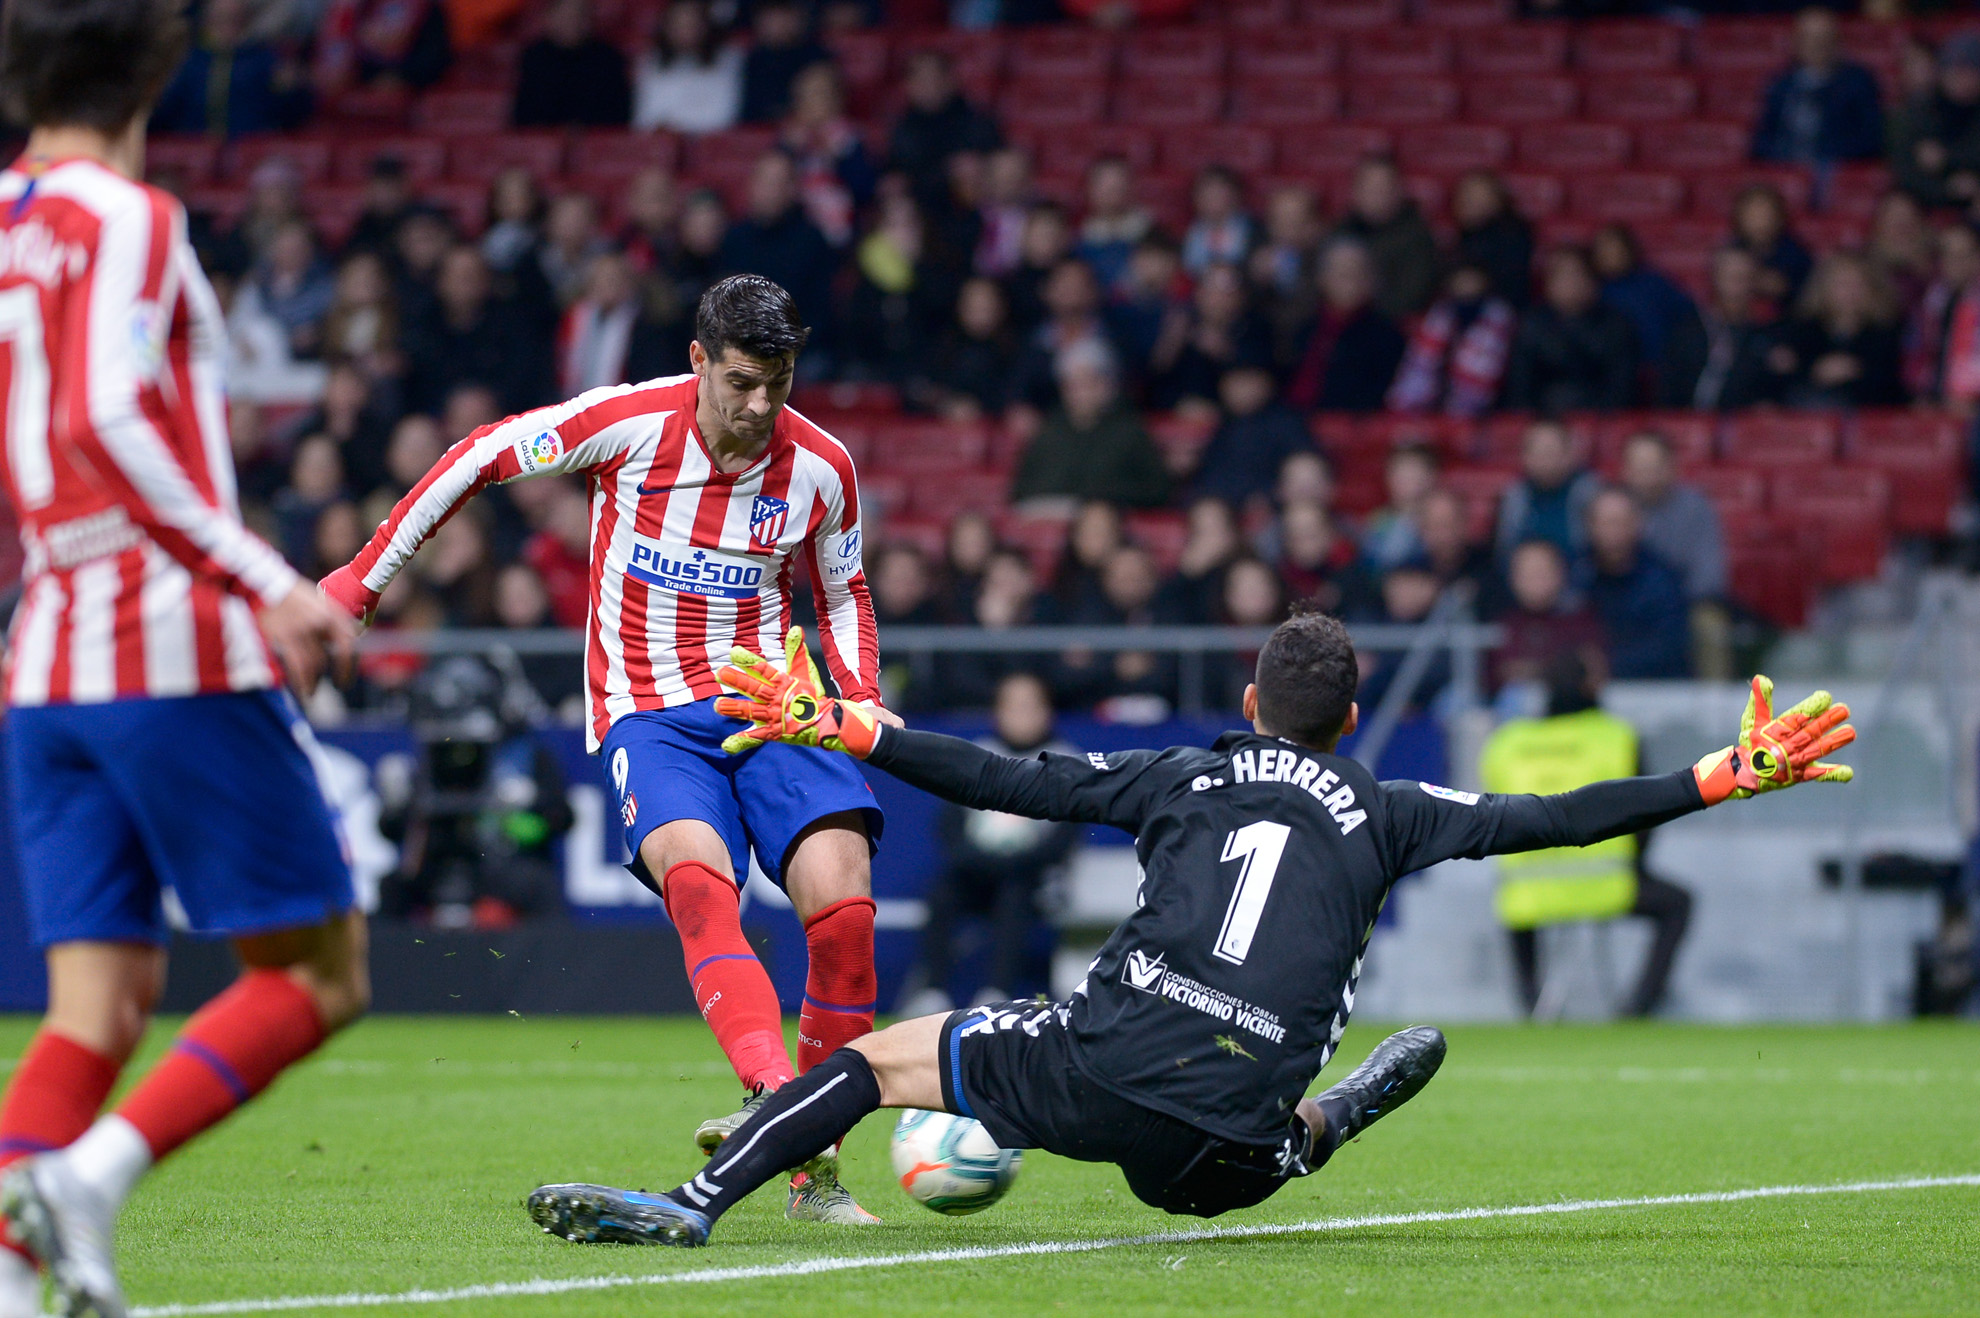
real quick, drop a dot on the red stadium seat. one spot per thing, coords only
(1162, 534)
(1478, 486)
(1453, 148)
(1693, 144)
(309, 157)
(1168, 102)
(618, 156)
(1252, 15)
(1484, 14)
(945, 496)
(976, 57)
(1851, 509)
(909, 446)
(478, 159)
(1734, 94)
(1401, 52)
(467, 203)
(884, 496)
(1681, 234)
(1626, 198)
(864, 58)
(462, 112)
(1780, 438)
(1640, 97)
(1376, 435)
(713, 152)
(1040, 538)
(1175, 52)
(1515, 48)
(424, 158)
(1573, 148)
(1288, 53)
(1276, 101)
(1335, 149)
(1050, 102)
(1855, 189)
(333, 210)
(1743, 45)
(1402, 100)
(1062, 52)
(194, 159)
(1069, 150)
(1521, 98)
(1628, 47)
(1536, 196)
(1737, 492)
(1358, 14)
(1712, 192)
(1923, 454)
(1501, 436)
(1246, 149)
(1769, 575)
(1825, 232)
(1692, 435)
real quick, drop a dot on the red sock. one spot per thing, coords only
(840, 989)
(54, 1096)
(230, 1051)
(730, 985)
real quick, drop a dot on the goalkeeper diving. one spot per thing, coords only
(1186, 1054)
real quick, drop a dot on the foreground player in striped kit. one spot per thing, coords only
(148, 742)
(704, 488)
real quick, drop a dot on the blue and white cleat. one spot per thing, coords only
(69, 1227)
(601, 1215)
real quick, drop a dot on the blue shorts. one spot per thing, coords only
(668, 764)
(212, 796)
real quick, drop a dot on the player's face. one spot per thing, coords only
(745, 392)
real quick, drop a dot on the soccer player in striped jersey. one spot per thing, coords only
(704, 490)
(148, 741)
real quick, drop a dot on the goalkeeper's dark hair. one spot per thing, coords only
(751, 314)
(1306, 678)
(88, 63)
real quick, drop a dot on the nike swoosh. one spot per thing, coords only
(645, 493)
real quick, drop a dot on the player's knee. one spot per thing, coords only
(341, 993)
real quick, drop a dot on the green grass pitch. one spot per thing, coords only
(397, 1160)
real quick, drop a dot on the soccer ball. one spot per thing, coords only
(950, 1164)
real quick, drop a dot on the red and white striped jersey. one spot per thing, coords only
(140, 577)
(686, 561)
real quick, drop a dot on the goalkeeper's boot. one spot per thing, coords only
(708, 1136)
(20, 1286)
(598, 1214)
(1392, 1075)
(69, 1227)
(817, 1195)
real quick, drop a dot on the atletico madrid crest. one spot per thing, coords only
(767, 517)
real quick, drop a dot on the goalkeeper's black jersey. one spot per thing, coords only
(1263, 867)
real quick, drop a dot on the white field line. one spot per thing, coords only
(810, 1267)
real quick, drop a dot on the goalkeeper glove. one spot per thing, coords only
(1776, 752)
(791, 706)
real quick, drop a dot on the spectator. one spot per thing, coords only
(777, 240)
(1900, 248)
(1317, 562)
(514, 231)
(1493, 237)
(423, 239)
(1114, 222)
(1046, 242)
(597, 330)
(697, 261)
(1937, 158)
(780, 48)
(1823, 108)
(1679, 523)
(1842, 347)
(1212, 544)
(1250, 595)
(473, 338)
(559, 552)
(1917, 88)
(651, 237)
(1943, 344)
(1550, 500)
(1637, 595)
(1760, 225)
(570, 76)
(1096, 532)
(1443, 528)
(1006, 598)
(904, 588)
(902, 296)
(966, 552)
(1304, 477)
(1130, 596)
(1716, 359)
(231, 84)
(1406, 596)
(1545, 621)
(340, 534)
(688, 80)
(468, 408)
(521, 603)
(939, 122)
(1215, 334)
(293, 286)
(997, 863)
(1651, 299)
(1285, 268)
(1573, 352)
(1393, 535)
(387, 202)
(1352, 348)
(572, 240)
(382, 44)
(971, 372)
(834, 175)
(351, 418)
(1152, 302)
(1257, 434)
(362, 323)
(1071, 299)
(413, 449)
(1382, 217)
(1094, 445)
(316, 480)
(1457, 356)
(1002, 210)
(274, 202)
(1219, 230)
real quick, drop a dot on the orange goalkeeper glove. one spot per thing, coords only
(1776, 752)
(791, 705)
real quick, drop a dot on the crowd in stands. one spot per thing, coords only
(1152, 372)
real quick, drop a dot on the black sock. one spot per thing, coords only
(798, 1122)
(1336, 1110)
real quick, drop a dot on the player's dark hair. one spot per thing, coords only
(1306, 679)
(88, 63)
(751, 314)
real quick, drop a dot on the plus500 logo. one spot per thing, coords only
(695, 571)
